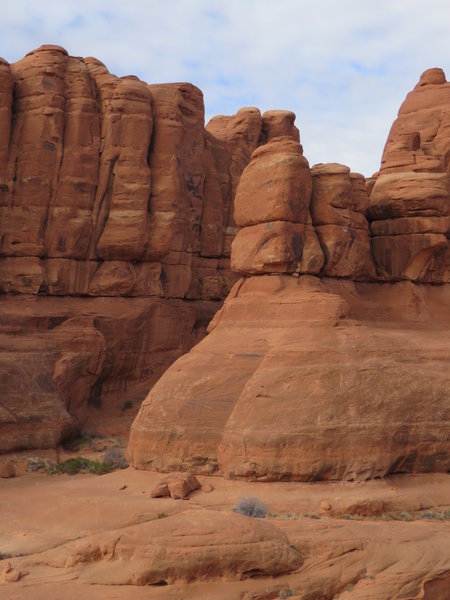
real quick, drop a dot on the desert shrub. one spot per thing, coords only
(116, 458)
(162, 515)
(388, 517)
(39, 464)
(405, 516)
(72, 466)
(311, 516)
(75, 444)
(251, 507)
(432, 515)
(127, 405)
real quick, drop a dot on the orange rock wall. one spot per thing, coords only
(120, 214)
(116, 222)
(409, 202)
(329, 359)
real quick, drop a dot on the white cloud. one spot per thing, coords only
(343, 66)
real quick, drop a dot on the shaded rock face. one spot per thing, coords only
(116, 222)
(322, 375)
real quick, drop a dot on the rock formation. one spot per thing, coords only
(86, 536)
(119, 214)
(321, 363)
(116, 221)
(409, 203)
(196, 545)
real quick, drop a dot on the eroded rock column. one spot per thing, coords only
(409, 203)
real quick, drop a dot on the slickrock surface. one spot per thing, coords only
(116, 222)
(86, 535)
(191, 546)
(307, 378)
(344, 375)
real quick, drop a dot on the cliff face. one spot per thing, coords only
(409, 203)
(116, 222)
(328, 359)
(124, 223)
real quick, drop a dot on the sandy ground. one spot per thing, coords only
(350, 550)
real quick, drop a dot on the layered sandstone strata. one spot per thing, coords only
(307, 378)
(338, 207)
(104, 181)
(321, 364)
(116, 221)
(409, 203)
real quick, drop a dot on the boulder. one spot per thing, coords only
(178, 487)
(7, 469)
(275, 186)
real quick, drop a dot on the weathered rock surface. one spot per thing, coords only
(119, 211)
(318, 377)
(109, 188)
(80, 517)
(178, 487)
(104, 181)
(275, 186)
(307, 379)
(63, 357)
(338, 205)
(196, 545)
(409, 203)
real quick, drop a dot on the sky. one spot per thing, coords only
(343, 66)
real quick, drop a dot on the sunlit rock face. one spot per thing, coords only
(329, 359)
(409, 203)
(116, 222)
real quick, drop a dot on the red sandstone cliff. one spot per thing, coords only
(409, 203)
(329, 359)
(118, 211)
(116, 221)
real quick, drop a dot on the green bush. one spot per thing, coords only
(405, 516)
(72, 466)
(432, 515)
